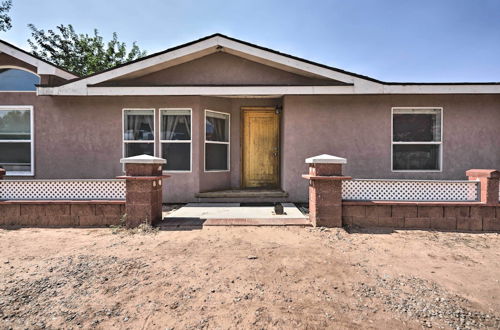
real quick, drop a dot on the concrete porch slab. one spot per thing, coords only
(244, 193)
(233, 214)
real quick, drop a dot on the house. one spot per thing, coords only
(231, 117)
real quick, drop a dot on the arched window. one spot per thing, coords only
(12, 79)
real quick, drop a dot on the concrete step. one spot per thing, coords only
(244, 193)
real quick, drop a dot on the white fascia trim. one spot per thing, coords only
(42, 67)
(442, 89)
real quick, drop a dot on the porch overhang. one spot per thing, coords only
(198, 90)
(272, 90)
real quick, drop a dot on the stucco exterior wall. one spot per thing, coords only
(359, 128)
(81, 137)
(221, 69)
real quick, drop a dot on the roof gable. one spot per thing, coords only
(345, 82)
(221, 69)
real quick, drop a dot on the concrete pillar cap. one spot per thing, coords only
(326, 159)
(143, 159)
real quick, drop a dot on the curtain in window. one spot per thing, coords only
(140, 125)
(216, 129)
(176, 127)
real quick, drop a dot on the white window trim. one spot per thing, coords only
(190, 141)
(22, 69)
(138, 141)
(216, 142)
(440, 143)
(31, 140)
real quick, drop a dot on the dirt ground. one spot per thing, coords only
(248, 278)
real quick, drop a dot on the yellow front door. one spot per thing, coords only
(260, 148)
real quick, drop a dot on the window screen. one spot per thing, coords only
(416, 139)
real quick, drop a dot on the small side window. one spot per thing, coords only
(216, 141)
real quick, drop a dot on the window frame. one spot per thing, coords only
(138, 141)
(439, 143)
(190, 141)
(228, 143)
(31, 140)
(22, 69)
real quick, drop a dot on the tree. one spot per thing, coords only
(5, 21)
(82, 54)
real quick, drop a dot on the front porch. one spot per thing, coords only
(199, 215)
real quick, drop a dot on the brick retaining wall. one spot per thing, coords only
(59, 213)
(425, 215)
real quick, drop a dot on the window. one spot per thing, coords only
(417, 139)
(16, 140)
(17, 80)
(216, 141)
(175, 139)
(138, 132)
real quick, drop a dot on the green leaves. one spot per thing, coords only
(82, 54)
(5, 21)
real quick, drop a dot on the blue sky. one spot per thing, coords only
(391, 40)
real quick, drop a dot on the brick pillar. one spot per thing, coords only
(489, 181)
(143, 189)
(325, 190)
(2, 173)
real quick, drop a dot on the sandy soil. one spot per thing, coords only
(255, 278)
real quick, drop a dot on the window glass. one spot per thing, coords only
(216, 141)
(416, 156)
(136, 149)
(416, 139)
(15, 140)
(178, 156)
(417, 127)
(17, 80)
(15, 125)
(15, 157)
(216, 157)
(176, 125)
(139, 125)
(175, 137)
(217, 127)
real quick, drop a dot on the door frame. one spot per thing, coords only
(242, 137)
